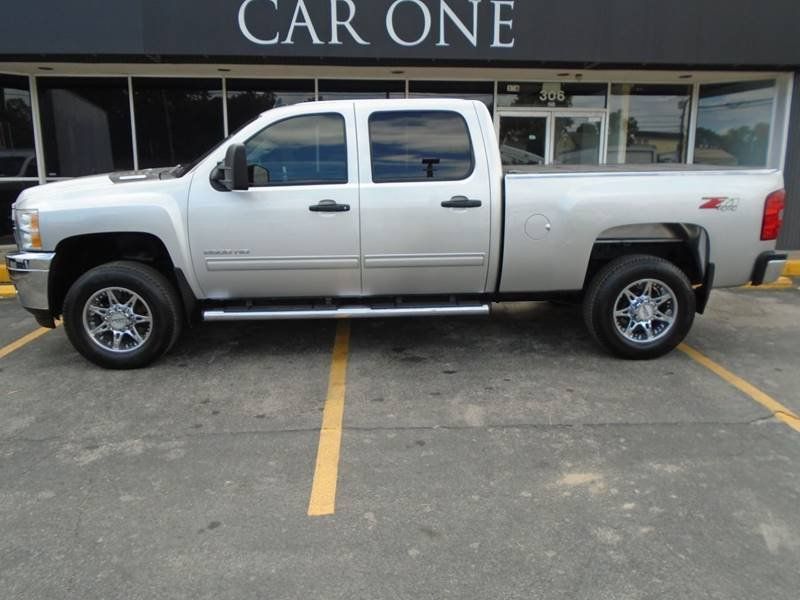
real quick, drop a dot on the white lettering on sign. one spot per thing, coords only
(471, 35)
(306, 22)
(342, 18)
(246, 31)
(426, 22)
(500, 23)
(336, 23)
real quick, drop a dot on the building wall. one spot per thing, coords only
(738, 33)
(790, 238)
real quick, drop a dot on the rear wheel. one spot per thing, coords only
(639, 306)
(123, 315)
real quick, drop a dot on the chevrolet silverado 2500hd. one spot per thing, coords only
(381, 209)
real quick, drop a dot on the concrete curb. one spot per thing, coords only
(7, 291)
(4, 278)
(792, 268)
(783, 283)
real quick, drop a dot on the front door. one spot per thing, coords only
(294, 233)
(550, 137)
(425, 200)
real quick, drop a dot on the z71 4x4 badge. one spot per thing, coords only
(721, 203)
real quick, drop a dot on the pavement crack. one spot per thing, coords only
(81, 510)
(394, 428)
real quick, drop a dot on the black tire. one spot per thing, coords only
(152, 287)
(609, 283)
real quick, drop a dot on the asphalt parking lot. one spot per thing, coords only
(479, 458)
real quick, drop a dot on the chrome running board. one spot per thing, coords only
(344, 312)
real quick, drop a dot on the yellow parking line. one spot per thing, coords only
(326, 473)
(778, 410)
(23, 341)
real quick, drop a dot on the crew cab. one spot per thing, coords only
(385, 208)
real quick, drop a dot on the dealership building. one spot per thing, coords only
(102, 85)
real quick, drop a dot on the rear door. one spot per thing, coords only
(425, 200)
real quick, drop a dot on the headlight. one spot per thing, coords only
(28, 236)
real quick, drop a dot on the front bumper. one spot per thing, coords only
(768, 268)
(30, 274)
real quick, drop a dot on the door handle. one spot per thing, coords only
(329, 206)
(461, 202)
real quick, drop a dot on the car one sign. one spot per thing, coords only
(408, 23)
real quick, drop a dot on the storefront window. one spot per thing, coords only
(9, 190)
(17, 154)
(733, 123)
(86, 125)
(360, 89)
(648, 123)
(248, 98)
(468, 90)
(552, 95)
(523, 140)
(176, 119)
(577, 140)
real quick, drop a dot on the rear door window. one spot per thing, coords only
(430, 145)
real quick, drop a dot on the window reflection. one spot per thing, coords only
(733, 123)
(648, 123)
(361, 89)
(577, 140)
(248, 98)
(176, 119)
(523, 139)
(86, 125)
(419, 145)
(17, 155)
(300, 150)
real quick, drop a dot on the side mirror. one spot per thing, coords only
(232, 174)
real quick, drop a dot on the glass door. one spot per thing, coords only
(577, 138)
(523, 138)
(550, 137)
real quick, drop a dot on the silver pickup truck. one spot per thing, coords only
(385, 208)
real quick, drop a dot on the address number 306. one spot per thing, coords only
(552, 96)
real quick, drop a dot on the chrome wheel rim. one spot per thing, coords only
(645, 311)
(117, 319)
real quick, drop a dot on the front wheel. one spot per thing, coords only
(122, 315)
(639, 306)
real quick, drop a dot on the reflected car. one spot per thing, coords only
(18, 163)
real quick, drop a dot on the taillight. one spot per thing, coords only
(773, 215)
